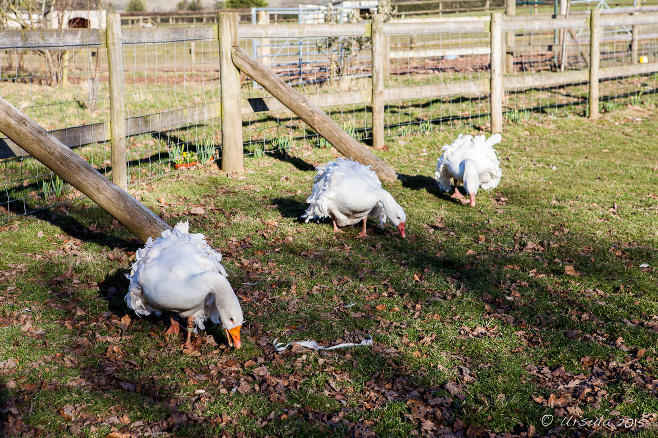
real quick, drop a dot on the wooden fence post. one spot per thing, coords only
(264, 50)
(117, 101)
(635, 43)
(511, 37)
(497, 91)
(193, 52)
(564, 11)
(377, 34)
(232, 160)
(65, 67)
(595, 60)
(73, 169)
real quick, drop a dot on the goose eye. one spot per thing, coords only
(231, 319)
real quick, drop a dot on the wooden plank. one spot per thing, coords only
(623, 71)
(364, 97)
(545, 80)
(42, 38)
(437, 53)
(117, 102)
(173, 119)
(303, 30)
(443, 26)
(311, 114)
(71, 137)
(412, 21)
(76, 171)
(544, 23)
(629, 20)
(232, 150)
(459, 88)
(167, 34)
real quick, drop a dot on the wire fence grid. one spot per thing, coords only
(438, 77)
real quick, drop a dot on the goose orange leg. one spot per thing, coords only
(190, 329)
(363, 231)
(336, 229)
(457, 193)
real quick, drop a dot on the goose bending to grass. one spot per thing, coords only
(348, 192)
(471, 161)
(179, 272)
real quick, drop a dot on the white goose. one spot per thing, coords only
(348, 192)
(181, 273)
(472, 161)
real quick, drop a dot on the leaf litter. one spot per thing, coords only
(420, 330)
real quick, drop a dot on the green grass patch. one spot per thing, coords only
(539, 301)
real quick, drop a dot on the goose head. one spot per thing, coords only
(222, 305)
(471, 180)
(232, 323)
(230, 313)
(394, 212)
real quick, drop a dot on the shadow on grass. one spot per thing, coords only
(295, 161)
(422, 182)
(290, 208)
(107, 233)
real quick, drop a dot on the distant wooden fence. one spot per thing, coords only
(407, 8)
(502, 78)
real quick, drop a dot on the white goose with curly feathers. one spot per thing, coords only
(179, 272)
(349, 192)
(471, 161)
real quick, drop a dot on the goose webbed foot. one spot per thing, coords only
(362, 234)
(457, 194)
(174, 327)
(336, 229)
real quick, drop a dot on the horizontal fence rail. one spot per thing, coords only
(437, 72)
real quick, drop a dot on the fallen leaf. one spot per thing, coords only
(570, 270)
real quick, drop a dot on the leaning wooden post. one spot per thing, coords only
(229, 77)
(595, 59)
(497, 91)
(377, 34)
(311, 114)
(117, 101)
(23, 131)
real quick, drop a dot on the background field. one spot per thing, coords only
(539, 301)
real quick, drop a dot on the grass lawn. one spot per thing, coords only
(534, 313)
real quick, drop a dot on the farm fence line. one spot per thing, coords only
(138, 102)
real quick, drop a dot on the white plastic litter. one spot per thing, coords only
(279, 347)
(644, 265)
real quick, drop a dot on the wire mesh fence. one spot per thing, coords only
(172, 96)
(437, 75)
(171, 102)
(61, 88)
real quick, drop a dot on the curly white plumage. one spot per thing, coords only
(349, 192)
(472, 161)
(181, 273)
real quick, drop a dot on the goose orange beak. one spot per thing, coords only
(233, 337)
(401, 228)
